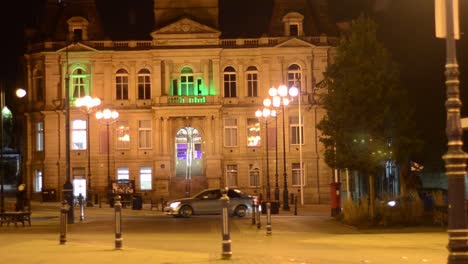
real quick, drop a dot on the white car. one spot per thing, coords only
(208, 202)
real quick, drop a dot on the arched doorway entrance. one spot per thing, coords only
(189, 177)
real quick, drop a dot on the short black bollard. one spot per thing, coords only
(81, 203)
(295, 205)
(63, 222)
(259, 211)
(253, 212)
(227, 253)
(118, 222)
(268, 224)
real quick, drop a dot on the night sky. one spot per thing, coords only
(406, 28)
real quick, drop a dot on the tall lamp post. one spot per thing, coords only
(264, 116)
(107, 117)
(89, 103)
(455, 164)
(281, 99)
(19, 93)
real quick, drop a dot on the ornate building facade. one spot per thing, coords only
(186, 88)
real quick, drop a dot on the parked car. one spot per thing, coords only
(208, 202)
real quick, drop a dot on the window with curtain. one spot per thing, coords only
(254, 176)
(253, 132)
(123, 173)
(296, 173)
(123, 135)
(297, 130)
(231, 175)
(40, 136)
(78, 136)
(144, 134)
(230, 132)
(145, 178)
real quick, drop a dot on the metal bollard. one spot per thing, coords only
(259, 224)
(63, 222)
(81, 203)
(295, 205)
(268, 224)
(118, 222)
(226, 243)
(253, 213)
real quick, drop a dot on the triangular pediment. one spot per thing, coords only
(185, 26)
(294, 43)
(76, 47)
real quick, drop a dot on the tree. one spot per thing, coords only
(368, 118)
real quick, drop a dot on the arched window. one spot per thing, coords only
(79, 80)
(121, 84)
(144, 84)
(252, 81)
(294, 76)
(230, 89)
(38, 86)
(186, 81)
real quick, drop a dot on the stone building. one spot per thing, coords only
(186, 78)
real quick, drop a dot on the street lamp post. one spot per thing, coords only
(19, 93)
(89, 103)
(107, 117)
(280, 99)
(264, 115)
(455, 164)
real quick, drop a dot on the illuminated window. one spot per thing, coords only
(252, 81)
(121, 84)
(230, 132)
(296, 173)
(79, 83)
(230, 89)
(123, 135)
(39, 136)
(294, 76)
(144, 134)
(38, 92)
(187, 86)
(254, 175)
(297, 130)
(78, 136)
(145, 178)
(144, 84)
(37, 180)
(231, 175)
(123, 173)
(253, 132)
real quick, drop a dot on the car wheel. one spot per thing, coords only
(186, 211)
(240, 211)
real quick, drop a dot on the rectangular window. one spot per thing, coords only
(37, 181)
(230, 132)
(297, 131)
(40, 136)
(253, 132)
(144, 87)
(39, 84)
(122, 87)
(294, 30)
(145, 178)
(144, 134)
(230, 89)
(78, 137)
(252, 85)
(296, 174)
(231, 175)
(123, 135)
(123, 173)
(254, 176)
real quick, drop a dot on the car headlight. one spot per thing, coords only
(174, 205)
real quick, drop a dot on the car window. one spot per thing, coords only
(209, 195)
(234, 193)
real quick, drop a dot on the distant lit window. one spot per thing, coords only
(231, 175)
(230, 132)
(297, 130)
(253, 132)
(39, 136)
(78, 136)
(252, 81)
(187, 84)
(296, 174)
(230, 89)
(144, 84)
(37, 180)
(145, 178)
(121, 85)
(123, 173)
(123, 135)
